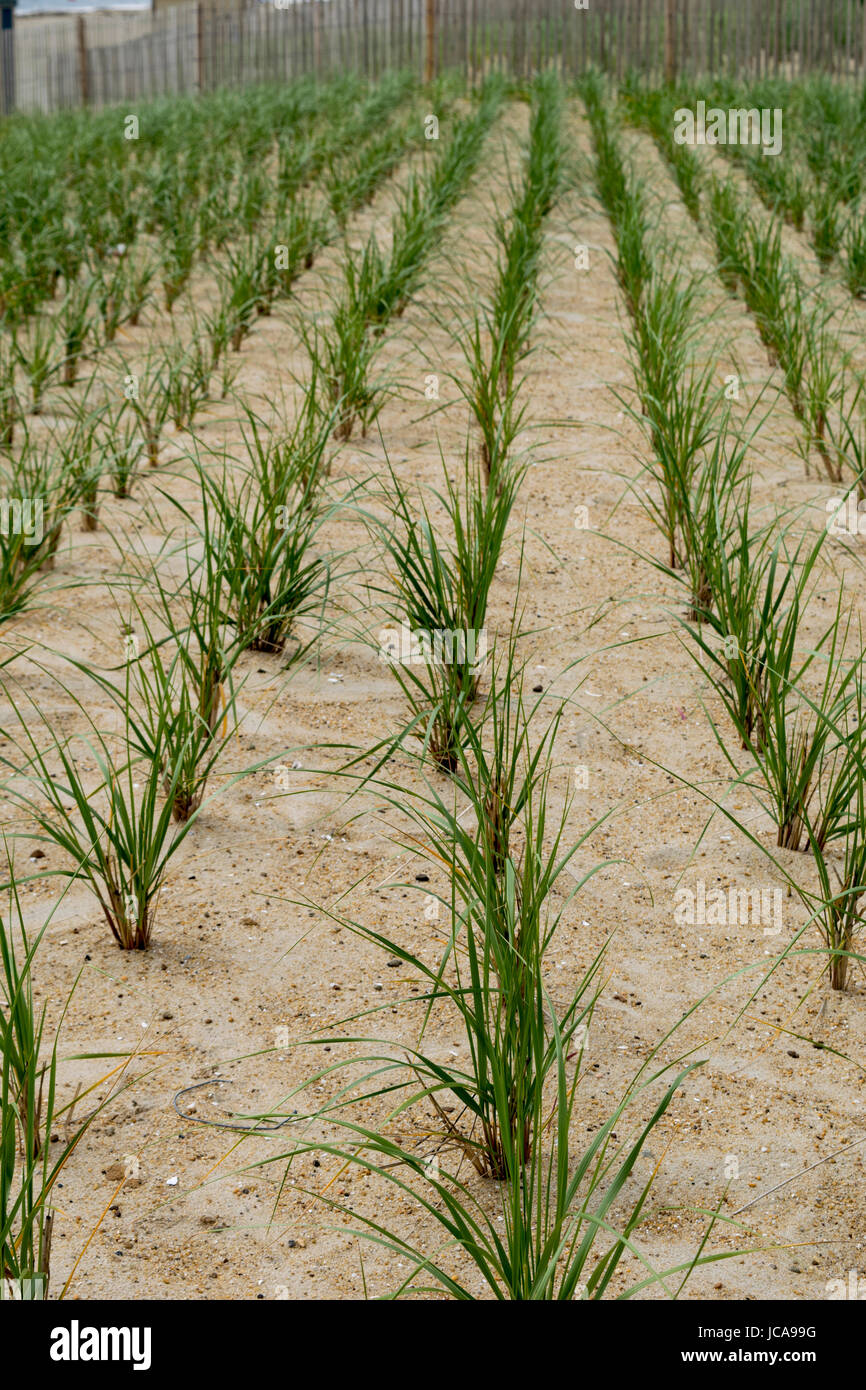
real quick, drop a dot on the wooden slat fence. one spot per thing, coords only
(104, 58)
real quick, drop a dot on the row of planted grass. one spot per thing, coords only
(377, 284)
(445, 587)
(794, 705)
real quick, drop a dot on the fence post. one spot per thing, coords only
(430, 41)
(83, 72)
(199, 46)
(7, 59)
(670, 40)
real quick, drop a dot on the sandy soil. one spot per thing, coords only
(236, 957)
